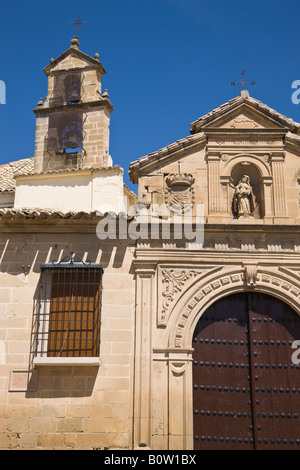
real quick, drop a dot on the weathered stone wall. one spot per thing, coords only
(94, 106)
(76, 407)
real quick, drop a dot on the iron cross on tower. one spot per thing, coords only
(77, 23)
(243, 82)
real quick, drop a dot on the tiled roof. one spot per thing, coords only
(70, 170)
(9, 171)
(49, 214)
(217, 112)
(184, 143)
(197, 131)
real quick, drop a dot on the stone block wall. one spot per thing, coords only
(94, 106)
(95, 146)
(66, 407)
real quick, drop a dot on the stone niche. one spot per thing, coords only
(264, 184)
(246, 192)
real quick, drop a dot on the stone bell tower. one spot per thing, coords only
(72, 124)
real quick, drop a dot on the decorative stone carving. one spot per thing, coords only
(179, 192)
(206, 289)
(145, 199)
(174, 280)
(244, 123)
(254, 140)
(244, 202)
(250, 275)
(224, 157)
(279, 280)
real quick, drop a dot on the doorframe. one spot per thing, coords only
(193, 304)
(163, 393)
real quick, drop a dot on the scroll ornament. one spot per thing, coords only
(174, 280)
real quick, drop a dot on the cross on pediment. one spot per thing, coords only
(243, 82)
(77, 23)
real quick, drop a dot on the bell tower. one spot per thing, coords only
(72, 123)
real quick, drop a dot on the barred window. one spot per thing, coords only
(69, 309)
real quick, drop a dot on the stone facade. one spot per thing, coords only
(64, 407)
(240, 166)
(180, 286)
(50, 206)
(242, 143)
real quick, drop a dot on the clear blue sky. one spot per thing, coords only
(168, 62)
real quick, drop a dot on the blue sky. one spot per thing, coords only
(168, 62)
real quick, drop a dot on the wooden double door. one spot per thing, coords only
(246, 382)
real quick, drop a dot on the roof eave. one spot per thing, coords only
(203, 122)
(169, 151)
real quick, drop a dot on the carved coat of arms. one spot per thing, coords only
(179, 192)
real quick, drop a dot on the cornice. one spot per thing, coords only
(170, 151)
(73, 51)
(255, 105)
(213, 257)
(69, 171)
(82, 106)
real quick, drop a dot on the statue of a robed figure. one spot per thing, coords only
(244, 200)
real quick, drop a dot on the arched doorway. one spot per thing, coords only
(246, 388)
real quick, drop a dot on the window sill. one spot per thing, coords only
(66, 361)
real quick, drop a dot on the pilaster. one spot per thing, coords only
(180, 400)
(213, 172)
(145, 291)
(279, 198)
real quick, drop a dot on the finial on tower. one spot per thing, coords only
(74, 41)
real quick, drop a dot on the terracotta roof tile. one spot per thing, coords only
(42, 214)
(9, 171)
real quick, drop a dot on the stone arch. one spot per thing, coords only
(260, 162)
(256, 170)
(200, 295)
(259, 171)
(256, 182)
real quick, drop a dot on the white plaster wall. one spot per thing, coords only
(62, 193)
(84, 191)
(108, 192)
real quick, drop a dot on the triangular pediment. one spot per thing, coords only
(243, 113)
(66, 61)
(244, 118)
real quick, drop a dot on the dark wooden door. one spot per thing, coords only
(246, 387)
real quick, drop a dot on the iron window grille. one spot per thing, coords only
(68, 314)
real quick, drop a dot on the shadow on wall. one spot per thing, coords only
(20, 255)
(65, 381)
(56, 381)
